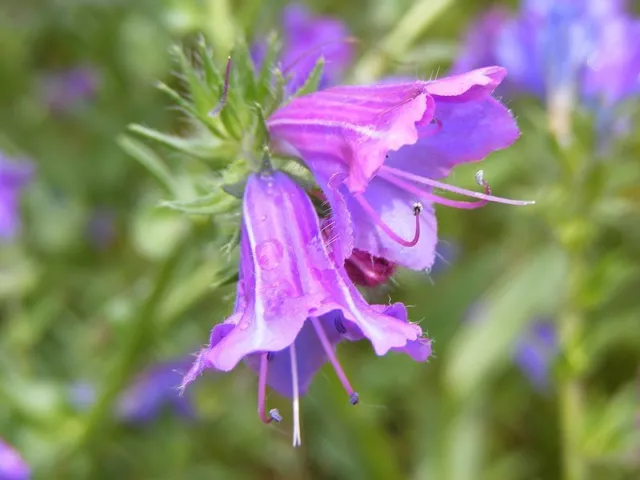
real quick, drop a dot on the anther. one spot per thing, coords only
(354, 398)
(340, 326)
(270, 356)
(225, 90)
(417, 208)
(275, 415)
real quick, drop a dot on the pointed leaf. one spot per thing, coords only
(149, 160)
(313, 80)
(530, 288)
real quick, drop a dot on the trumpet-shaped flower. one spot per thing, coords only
(377, 152)
(294, 302)
(561, 48)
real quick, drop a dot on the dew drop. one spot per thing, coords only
(269, 254)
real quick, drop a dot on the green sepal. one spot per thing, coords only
(313, 80)
(214, 203)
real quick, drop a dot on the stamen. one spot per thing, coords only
(225, 90)
(386, 228)
(390, 174)
(297, 441)
(274, 415)
(328, 349)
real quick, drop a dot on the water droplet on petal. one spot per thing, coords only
(269, 254)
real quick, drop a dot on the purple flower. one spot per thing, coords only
(13, 177)
(306, 39)
(294, 303)
(480, 40)
(562, 48)
(154, 389)
(101, 229)
(536, 352)
(376, 152)
(12, 466)
(65, 89)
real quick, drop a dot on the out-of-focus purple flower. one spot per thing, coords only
(153, 390)
(65, 89)
(12, 466)
(294, 303)
(13, 178)
(565, 48)
(307, 38)
(480, 40)
(101, 229)
(536, 352)
(376, 152)
(536, 348)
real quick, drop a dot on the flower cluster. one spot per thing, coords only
(561, 49)
(374, 156)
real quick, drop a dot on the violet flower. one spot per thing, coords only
(153, 390)
(65, 89)
(14, 176)
(307, 38)
(536, 351)
(561, 49)
(12, 466)
(377, 152)
(102, 229)
(294, 302)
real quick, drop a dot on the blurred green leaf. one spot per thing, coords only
(149, 160)
(532, 286)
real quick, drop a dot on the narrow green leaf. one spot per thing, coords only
(214, 203)
(313, 80)
(264, 82)
(530, 288)
(149, 160)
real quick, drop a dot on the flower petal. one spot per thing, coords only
(311, 356)
(395, 208)
(468, 86)
(354, 125)
(469, 132)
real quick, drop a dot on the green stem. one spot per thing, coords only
(414, 22)
(572, 407)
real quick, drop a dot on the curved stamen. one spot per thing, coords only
(297, 441)
(225, 90)
(390, 174)
(386, 228)
(328, 349)
(274, 415)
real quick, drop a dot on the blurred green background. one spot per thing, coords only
(101, 283)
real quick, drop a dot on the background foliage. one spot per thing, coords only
(102, 282)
